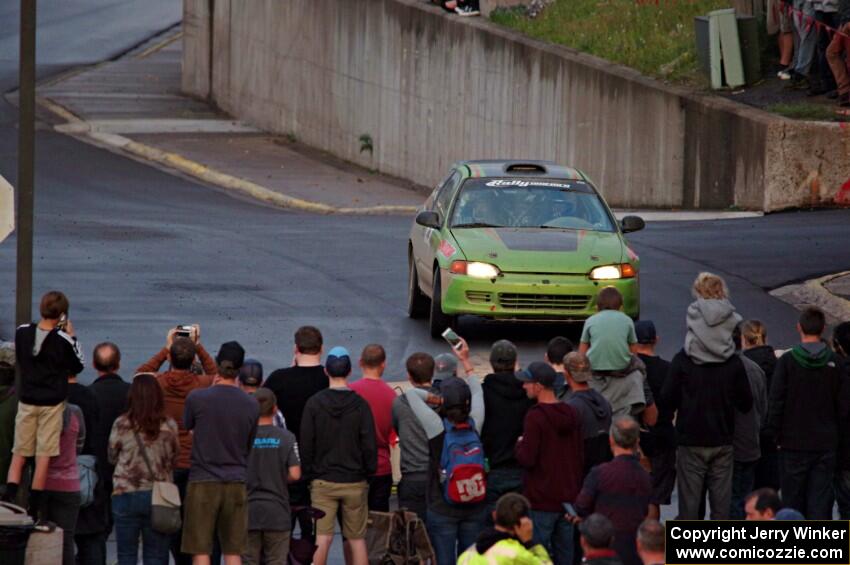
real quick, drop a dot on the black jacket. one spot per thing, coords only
(808, 400)
(110, 395)
(338, 437)
(705, 398)
(505, 405)
(83, 397)
(662, 436)
(44, 377)
(765, 357)
(595, 414)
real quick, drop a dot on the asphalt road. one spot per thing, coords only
(139, 250)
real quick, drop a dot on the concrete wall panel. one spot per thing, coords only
(429, 88)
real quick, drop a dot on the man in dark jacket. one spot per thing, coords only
(841, 346)
(808, 402)
(506, 403)
(8, 405)
(705, 397)
(660, 443)
(550, 450)
(620, 490)
(47, 352)
(110, 393)
(338, 455)
(593, 409)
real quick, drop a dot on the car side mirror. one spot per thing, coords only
(632, 223)
(429, 219)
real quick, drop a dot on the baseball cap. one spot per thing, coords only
(251, 373)
(455, 392)
(578, 366)
(645, 331)
(7, 353)
(338, 362)
(503, 351)
(445, 366)
(540, 373)
(230, 357)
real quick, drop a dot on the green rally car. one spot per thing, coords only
(517, 240)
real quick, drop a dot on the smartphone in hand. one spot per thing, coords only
(570, 510)
(452, 338)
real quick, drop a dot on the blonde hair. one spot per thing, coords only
(753, 333)
(709, 285)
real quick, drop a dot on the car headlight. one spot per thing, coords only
(475, 269)
(613, 272)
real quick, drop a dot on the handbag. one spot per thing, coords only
(165, 499)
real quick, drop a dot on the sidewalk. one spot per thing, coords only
(830, 293)
(134, 105)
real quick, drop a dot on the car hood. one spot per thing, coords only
(540, 250)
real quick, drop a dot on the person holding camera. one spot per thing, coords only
(183, 345)
(47, 352)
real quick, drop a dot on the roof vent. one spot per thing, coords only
(526, 168)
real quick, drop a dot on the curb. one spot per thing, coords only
(174, 161)
(814, 293)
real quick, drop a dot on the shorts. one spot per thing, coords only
(777, 19)
(266, 546)
(663, 476)
(350, 499)
(37, 430)
(215, 508)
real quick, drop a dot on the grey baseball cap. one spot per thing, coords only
(445, 366)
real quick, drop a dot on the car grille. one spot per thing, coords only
(479, 296)
(513, 301)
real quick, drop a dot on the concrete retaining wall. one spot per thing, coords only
(429, 88)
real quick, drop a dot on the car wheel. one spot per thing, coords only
(438, 321)
(417, 303)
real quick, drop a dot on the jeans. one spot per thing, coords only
(821, 75)
(181, 479)
(554, 533)
(132, 513)
(62, 509)
(842, 493)
(709, 466)
(805, 42)
(380, 488)
(411, 493)
(807, 478)
(452, 536)
(743, 479)
(499, 482)
(91, 548)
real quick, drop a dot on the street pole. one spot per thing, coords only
(26, 163)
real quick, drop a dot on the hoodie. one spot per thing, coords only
(506, 403)
(338, 437)
(808, 399)
(595, 416)
(765, 357)
(176, 384)
(748, 425)
(710, 325)
(551, 453)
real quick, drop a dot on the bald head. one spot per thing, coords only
(106, 358)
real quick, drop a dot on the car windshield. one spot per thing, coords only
(530, 203)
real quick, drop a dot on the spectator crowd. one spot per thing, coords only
(557, 460)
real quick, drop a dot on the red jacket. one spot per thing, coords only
(552, 453)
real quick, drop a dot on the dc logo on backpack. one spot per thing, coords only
(462, 464)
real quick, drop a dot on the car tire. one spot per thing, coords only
(438, 320)
(417, 303)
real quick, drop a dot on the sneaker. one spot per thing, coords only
(467, 11)
(785, 74)
(44, 526)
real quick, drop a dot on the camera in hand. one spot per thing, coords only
(185, 330)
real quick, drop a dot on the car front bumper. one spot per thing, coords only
(532, 297)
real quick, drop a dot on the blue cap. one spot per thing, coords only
(338, 362)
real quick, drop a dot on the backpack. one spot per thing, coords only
(87, 467)
(462, 464)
